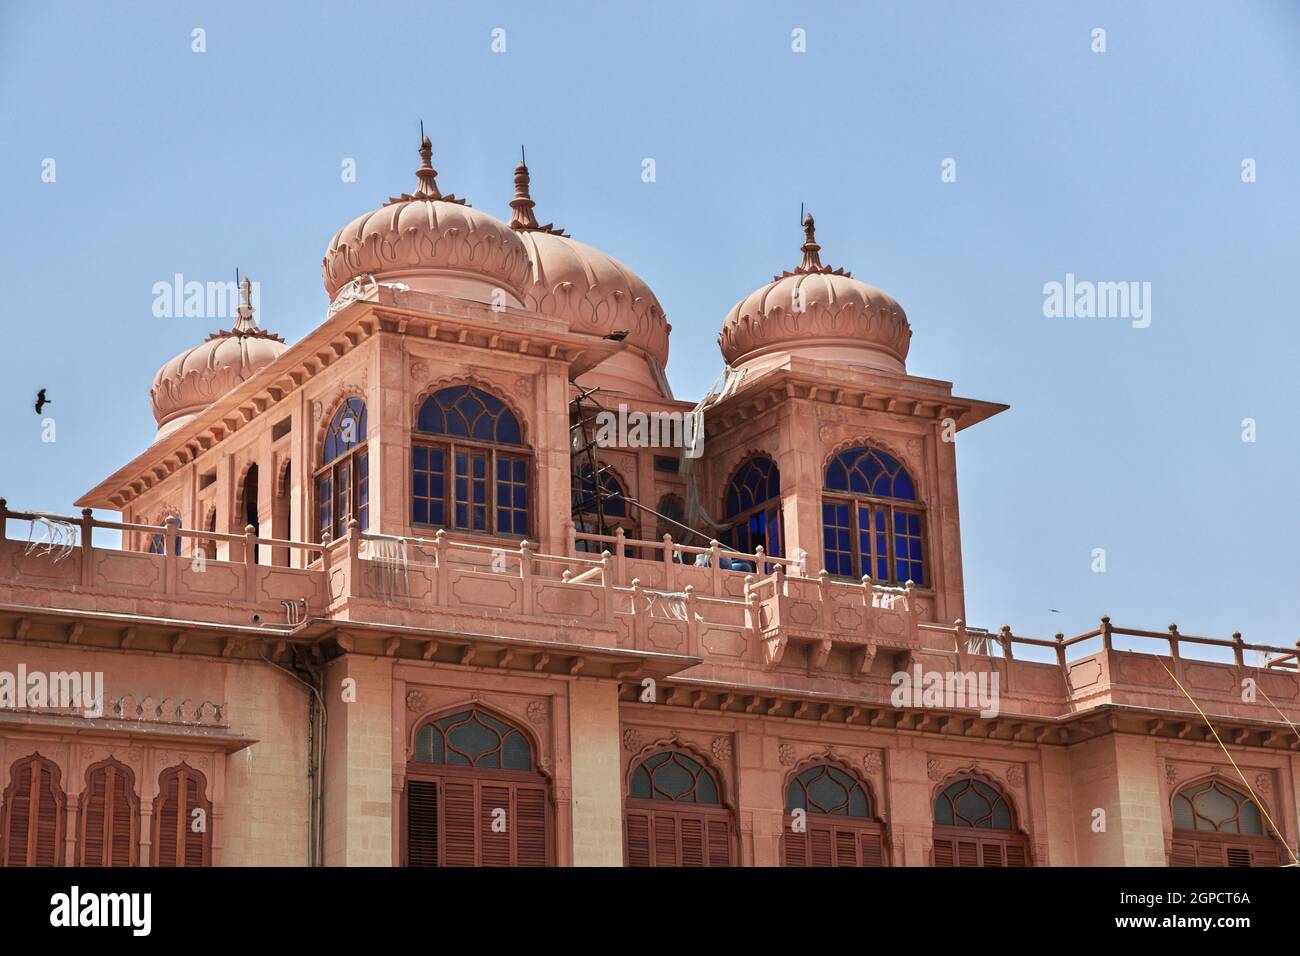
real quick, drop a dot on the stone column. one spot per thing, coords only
(597, 789)
(358, 762)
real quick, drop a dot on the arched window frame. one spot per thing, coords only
(42, 843)
(440, 459)
(833, 839)
(672, 832)
(973, 845)
(855, 544)
(192, 847)
(744, 510)
(447, 808)
(341, 470)
(1211, 846)
(616, 511)
(116, 812)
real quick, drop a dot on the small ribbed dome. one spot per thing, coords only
(817, 311)
(196, 378)
(569, 279)
(431, 242)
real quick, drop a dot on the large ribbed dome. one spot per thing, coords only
(431, 242)
(196, 378)
(819, 312)
(597, 294)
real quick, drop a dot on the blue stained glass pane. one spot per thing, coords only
(421, 484)
(420, 511)
(837, 477)
(508, 430)
(521, 496)
(420, 456)
(903, 487)
(480, 466)
(436, 513)
(521, 469)
(882, 568)
(462, 516)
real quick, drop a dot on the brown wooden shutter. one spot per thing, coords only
(1182, 854)
(421, 823)
(495, 845)
(719, 843)
(532, 845)
(181, 791)
(33, 815)
(873, 849)
(638, 838)
(944, 853)
(794, 847)
(110, 818)
(1016, 855)
(457, 824)
(665, 829)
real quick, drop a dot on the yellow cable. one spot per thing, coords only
(1259, 803)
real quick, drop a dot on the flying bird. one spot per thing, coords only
(41, 401)
(618, 336)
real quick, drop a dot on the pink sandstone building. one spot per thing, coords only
(455, 580)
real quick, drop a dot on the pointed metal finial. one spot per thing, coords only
(246, 322)
(428, 188)
(811, 250)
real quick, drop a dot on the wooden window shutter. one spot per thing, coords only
(819, 840)
(1016, 855)
(991, 854)
(33, 812)
(495, 840)
(421, 823)
(967, 853)
(110, 817)
(532, 845)
(665, 830)
(181, 791)
(457, 824)
(692, 830)
(944, 853)
(638, 838)
(794, 848)
(1182, 854)
(719, 843)
(873, 849)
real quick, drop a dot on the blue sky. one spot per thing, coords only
(1115, 166)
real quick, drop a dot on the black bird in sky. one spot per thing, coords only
(41, 401)
(618, 336)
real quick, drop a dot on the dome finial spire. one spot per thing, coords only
(812, 261)
(521, 207)
(521, 215)
(245, 323)
(428, 188)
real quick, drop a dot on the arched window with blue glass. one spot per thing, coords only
(343, 472)
(600, 507)
(753, 507)
(469, 465)
(872, 522)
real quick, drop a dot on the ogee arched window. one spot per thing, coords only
(830, 820)
(753, 507)
(108, 821)
(343, 475)
(872, 523)
(674, 814)
(974, 826)
(182, 818)
(469, 466)
(33, 814)
(1215, 824)
(474, 795)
